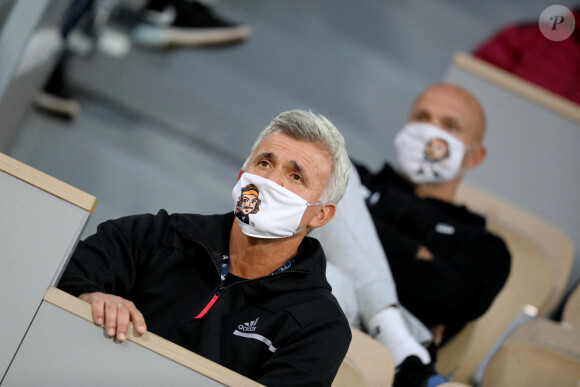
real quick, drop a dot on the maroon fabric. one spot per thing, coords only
(525, 52)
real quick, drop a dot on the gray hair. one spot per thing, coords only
(309, 127)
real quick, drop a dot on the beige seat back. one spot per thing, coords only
(527, 235)
(450, 355)
(367, 363)
(537, 353)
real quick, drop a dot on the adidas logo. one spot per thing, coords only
(246, 330)
(249, 326)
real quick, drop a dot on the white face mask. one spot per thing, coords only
(428, 154)
(265, 209)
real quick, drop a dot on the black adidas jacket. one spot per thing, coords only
(169, 266)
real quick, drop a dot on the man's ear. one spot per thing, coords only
(240, 174)
(474, 157)
(324, 214)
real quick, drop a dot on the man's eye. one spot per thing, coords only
(296, 177)
(421, 117)
(450, 126)
(263, 163)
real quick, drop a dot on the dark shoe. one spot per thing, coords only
(55, 98)
(187, 23)
(413, 373)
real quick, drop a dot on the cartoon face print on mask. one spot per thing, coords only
(436, 150)
(248, 203)
(434, 156)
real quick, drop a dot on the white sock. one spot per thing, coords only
(388, 327)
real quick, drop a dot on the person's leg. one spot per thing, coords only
(343, 290)
(55, 97)
(351, 244)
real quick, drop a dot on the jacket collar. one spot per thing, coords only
(213, 233)
(210, 231)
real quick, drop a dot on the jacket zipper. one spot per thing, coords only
(210, 303)
(219, 291)
(222, 288)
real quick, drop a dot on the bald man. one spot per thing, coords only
(410, 249)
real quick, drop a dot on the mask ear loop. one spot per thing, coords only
(307, 205)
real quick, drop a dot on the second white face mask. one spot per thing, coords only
(428, 154)
(265, 209)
